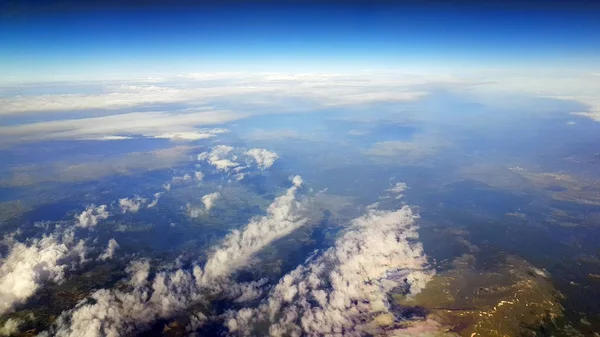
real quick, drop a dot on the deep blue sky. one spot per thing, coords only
(69, 41)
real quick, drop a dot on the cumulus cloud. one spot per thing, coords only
(155, 200)
(194, 212)
(91, 216)
(167, 187)
(225, 159)
(27, 266)
(397, 189)
(138, 271)
(220, 157)
(342, 291)
(131, 205)
(264, 158)
(209, 200)
(118, 312)
(283, 216)
(199, 176)
(109, 252)
(10, 327)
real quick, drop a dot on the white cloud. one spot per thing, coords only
(194, 212)
(91, 215)
(143, 124)
(138, 271)
(199, 176)
(202, 104)
(327, 89)
(340, 292)
(155, 200)
(116, 312)
(27, 266)
(582, 88)
(167, 187)
(186, 178)
(398, 189)
(108, 138)
(10, 327)
(283, 216)
(209, 200)
(358, 132)
(110, 250)
(217, 157)
(264, 158)
(192, 135)
(131, 205)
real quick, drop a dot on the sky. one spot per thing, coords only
(104, 40)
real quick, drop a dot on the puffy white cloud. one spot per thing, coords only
(199, 176)
(264, 158)
(398, 189)
(27, 266)
(131, 205)
(155, 200)
(325, 89)
(217, 157)
(340, 292)
(209, 200)
(283, 216)
(194, 212)
(224, 159)
(10, 327)
(167, 186)
(117, 312)
(110, 250)
(138, 271)
(91, 215)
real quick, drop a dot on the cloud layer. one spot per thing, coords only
(200, 102)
